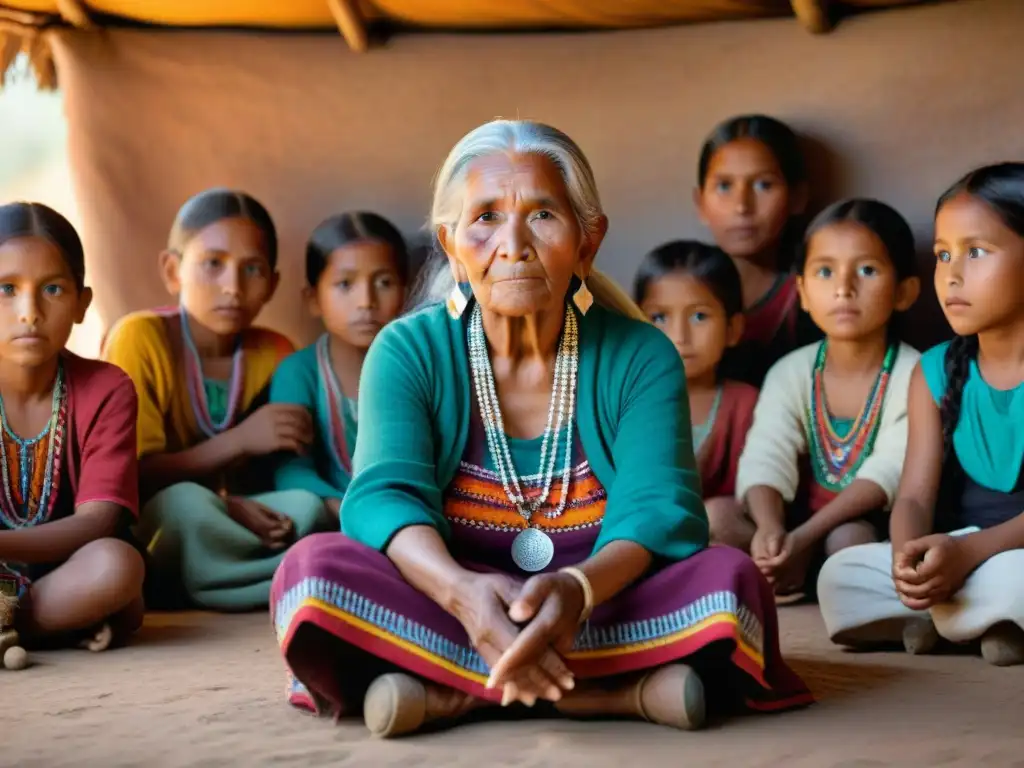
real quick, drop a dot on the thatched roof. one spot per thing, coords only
(24, 22)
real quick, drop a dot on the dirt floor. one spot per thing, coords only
(204, 690)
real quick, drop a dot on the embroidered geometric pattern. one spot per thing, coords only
(591, 639)
(477, 498)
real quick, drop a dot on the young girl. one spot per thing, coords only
(966, 447)
(201, 372)
(823, 457)
(357, 270)
(692, 292)
(67, 447)
(751, 189)
(356, 273)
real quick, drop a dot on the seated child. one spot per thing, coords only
(692, 292)
(823, 457)
(751, 193)
(357, 270)
(67, 448)
(356, 274)
(202, 372)
(954, 566)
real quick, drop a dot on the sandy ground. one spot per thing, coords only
(204, 690)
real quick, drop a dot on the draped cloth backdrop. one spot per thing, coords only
(895, 105)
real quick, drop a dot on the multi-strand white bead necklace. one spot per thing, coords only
(532, 549)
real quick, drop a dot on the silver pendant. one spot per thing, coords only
(533, 550)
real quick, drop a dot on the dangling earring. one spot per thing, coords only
(583, 298)
(457, 302)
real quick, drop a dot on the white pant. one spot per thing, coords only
(859, 602)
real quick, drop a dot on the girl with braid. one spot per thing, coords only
(953, 568)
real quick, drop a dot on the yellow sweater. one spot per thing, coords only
(140, 345)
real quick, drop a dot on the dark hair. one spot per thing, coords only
(219, 204)
(707, 263)
(780, 139)
(38, 220)
(887, 225)
(1001, 188)
(784, 145)
(884, 221)
(353, 227)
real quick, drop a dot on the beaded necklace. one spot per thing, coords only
(835, 459)
(532, 549)
(702, 431)
(21, 514)
(337, 403)
(196, 389)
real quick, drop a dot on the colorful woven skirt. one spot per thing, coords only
(368, 620)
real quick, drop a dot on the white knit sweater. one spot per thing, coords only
(778, 437)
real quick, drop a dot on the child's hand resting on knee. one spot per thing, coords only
(930, 570)
(275, 530)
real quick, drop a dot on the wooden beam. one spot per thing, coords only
(350, 23)
(813, 14)
(75, 14)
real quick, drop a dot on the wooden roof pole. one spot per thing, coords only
(74, 13)
(813, 14)
(350, 23)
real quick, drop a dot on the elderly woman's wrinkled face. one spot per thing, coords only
(518, 241)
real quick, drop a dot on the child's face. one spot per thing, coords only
(694, 319)
(745, 200)
(39, 303)
(979, 264)
(849, 285)
(359, 292)
(222, 277)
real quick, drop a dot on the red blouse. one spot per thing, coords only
(720, 454)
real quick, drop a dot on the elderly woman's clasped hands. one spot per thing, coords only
(523, 630)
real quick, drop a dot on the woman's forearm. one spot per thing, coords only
(856, 500)
(766, 507)
(615, 567)
(421, 556)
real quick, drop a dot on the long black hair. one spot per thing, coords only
(708, 264)
(37, 220)
(218, 204)
(1001, 188)
(353, 227)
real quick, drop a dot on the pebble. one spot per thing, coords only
(16, 658)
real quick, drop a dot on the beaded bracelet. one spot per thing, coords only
(588, 592)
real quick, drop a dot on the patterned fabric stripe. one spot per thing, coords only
(298, 695)
(477, 497)
(593, 642)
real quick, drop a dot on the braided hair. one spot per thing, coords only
(1001, 188)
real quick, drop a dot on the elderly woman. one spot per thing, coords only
(525, 521)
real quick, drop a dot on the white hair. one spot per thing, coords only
(523, 137)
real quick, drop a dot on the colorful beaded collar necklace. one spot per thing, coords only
(23, 515)
(197, 389)
(336, 401)
(835, 459)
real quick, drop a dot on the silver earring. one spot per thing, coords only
(583, 298)
(457, 302)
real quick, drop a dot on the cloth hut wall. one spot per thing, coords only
(895, 105)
